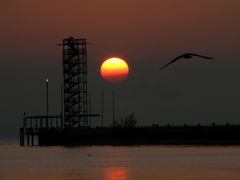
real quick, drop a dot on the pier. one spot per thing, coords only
(166, 135)
(34, 125)
(73, 127)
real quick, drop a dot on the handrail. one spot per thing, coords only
(43, 121)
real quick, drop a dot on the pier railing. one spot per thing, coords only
(43, 122)
(33, 124)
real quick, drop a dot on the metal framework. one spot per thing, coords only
(75, 82)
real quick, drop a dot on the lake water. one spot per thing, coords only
(119, 163)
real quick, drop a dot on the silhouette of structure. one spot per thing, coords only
(74, 53)
(72, 126)
(75, 116)
(185, 56)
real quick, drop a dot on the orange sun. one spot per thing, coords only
(114, 69)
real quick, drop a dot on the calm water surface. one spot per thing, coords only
(119, 163)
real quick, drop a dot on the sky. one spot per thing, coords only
(147, 34)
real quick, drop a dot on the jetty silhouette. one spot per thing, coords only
(72, 127)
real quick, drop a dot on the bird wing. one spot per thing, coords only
(175, 59)
(201, 56)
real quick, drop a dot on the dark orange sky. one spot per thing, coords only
(125, 26)
(147, 33)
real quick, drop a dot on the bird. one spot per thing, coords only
(186, 56)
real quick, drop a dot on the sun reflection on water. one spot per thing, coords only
(116, 174)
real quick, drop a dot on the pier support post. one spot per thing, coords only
(22, 136)
(32, 137)
(28, 140)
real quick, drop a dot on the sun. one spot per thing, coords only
(114, 69)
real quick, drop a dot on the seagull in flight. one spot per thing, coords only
(185, 56)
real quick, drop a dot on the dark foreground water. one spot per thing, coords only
(119, 163)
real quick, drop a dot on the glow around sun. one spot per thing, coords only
(114, 69)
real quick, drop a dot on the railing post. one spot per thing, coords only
(28, 142)
(32, 136)
(41, 122)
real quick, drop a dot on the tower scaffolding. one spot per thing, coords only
(74, 52)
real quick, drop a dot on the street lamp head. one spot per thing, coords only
(46, 80)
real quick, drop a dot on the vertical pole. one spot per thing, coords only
(41, 122)
(102, 106)
(22, 136)
(113, 107)
(47, 102)
(32, 137)
(28, 143)
(24, 120)
(21, 141)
